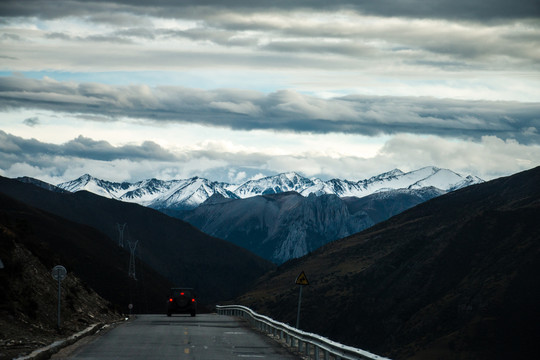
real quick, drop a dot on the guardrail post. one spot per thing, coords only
(326, 355)
(316, 352)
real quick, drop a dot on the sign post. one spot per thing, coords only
(302, 281)
(59, 273)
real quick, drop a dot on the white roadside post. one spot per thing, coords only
(59, 273)
(302, 281)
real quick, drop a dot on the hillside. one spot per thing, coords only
(28, 296)
(457, 277)
(176, 250)
(282, 226)
(86, 252)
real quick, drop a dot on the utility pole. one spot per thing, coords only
(121, 234)
(131, 270)
(59, 273)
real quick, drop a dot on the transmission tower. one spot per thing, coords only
(131, 270)
(121, 234)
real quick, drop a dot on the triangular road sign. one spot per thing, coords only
(302, 279)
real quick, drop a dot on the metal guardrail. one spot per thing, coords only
(313, 346)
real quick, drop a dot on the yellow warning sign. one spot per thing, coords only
(302, 279)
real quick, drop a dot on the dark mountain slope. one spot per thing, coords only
(28, 300)
(187, 257)
(86, 252)
(457, 277)
(287, 225)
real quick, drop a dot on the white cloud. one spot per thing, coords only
(384, 55)
(490, 158)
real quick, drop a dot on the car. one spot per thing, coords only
(182, 301)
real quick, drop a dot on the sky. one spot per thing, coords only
(232, 90)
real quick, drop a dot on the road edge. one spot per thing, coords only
(47, 351)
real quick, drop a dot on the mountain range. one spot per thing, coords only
(283, 216)
(190, 193)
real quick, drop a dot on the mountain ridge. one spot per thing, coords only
(287, 225)
(189, 193)
(292, 226)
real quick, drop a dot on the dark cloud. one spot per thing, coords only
(281, 111)
(313, 46)
(33, 121)
(449, 9)
(84, 147)
(10, 37)
(112, 38)
(14, 149)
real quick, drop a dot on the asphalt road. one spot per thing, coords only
(205, 337)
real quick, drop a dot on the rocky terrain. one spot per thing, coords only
(279, 227)
(28, 300)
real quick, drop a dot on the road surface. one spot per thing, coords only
(204, 337)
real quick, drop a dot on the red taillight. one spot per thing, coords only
(192, 300)
(182, 294)
(170, 300)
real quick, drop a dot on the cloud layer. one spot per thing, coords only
(287, 111)
(490, 157)
(453, 9)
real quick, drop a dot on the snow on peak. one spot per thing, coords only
(284, 182)
(190, 193)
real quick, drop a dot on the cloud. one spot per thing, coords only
(14, 149)
(32, 121)
(270, 40)
(488, 158)
(454, 9)
(284, 110)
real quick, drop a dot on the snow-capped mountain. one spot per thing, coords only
(158, 194)
(190, 193)
(290, 181)
(287, 215)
